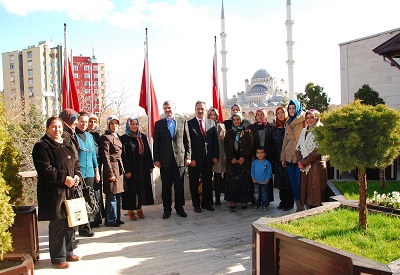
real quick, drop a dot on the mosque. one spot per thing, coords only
(263, 90)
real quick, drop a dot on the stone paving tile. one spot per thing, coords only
(207, 243)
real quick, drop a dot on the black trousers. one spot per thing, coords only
(172, 175)
(205, 172)
(60, 240)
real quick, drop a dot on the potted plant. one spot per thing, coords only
(11, 196)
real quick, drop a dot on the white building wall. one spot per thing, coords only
(359, 65)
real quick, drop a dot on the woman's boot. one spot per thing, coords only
(131, 215)
(299, 206)
(140, 213)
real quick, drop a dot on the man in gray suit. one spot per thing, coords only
(171, 153)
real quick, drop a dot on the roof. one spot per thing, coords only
(390, 50)
(370, 36)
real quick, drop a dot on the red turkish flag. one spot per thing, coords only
(72, 94)
(217, 102)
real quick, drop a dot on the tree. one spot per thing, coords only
(314, 97)
(360, 136)
(368, 96)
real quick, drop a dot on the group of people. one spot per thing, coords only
(72, 153)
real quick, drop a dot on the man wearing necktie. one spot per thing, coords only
(205, 152)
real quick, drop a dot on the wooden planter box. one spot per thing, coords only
(279, 252)
(25, 268)
(25, 232)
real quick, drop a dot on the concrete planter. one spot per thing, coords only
(25, 266)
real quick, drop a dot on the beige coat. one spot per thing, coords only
(292, 135)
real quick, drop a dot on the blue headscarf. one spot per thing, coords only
(128, 129)
(298, 109)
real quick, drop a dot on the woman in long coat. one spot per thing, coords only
(219, 167)
(112, 157)
(312, 165)
(294, 126)
(58, 168)
(262, 132)
(139, 189)
(281, 180)
(238, 146)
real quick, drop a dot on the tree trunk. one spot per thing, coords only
(382, 178)
(363, 187)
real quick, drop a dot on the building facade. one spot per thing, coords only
(89, 77)
(359, 65)
(33, 76)
(262, 91)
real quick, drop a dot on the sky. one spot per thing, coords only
(181, 40)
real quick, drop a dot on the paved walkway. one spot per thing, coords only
(207, 243)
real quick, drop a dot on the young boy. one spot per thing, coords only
(261, 173)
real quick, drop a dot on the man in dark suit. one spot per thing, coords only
(205, 152)
(171, 152)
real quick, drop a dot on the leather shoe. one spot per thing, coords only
(197, 209)
(62, 265)
(181, 213)
(166, 215)
(73, 258)
(120, 222)
(209, 208)
(94, 225)
(280, 207)
(113, 225)
(87, 234)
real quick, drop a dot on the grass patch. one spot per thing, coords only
(339, 228)
(350, 189)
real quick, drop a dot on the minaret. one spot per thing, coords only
(224, 69)
(289, 43)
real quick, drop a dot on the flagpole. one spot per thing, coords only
(66, 65)
(215, 58)
(148, 96)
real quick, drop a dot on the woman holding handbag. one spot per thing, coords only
(57, 167)
(238, 146)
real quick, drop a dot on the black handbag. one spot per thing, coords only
(92, 205)
(238, 184)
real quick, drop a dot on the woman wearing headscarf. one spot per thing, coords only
(58, 170)
(219, 167)
(294, 126)
(238, 146)
(312, 165)
(262, 132)
(139, 190)
(282, 181)
(112, 157)
(70, 120)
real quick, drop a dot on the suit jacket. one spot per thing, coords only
(203, 149)
(166, 147)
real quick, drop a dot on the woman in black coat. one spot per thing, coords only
(137, 151)
(57, 168)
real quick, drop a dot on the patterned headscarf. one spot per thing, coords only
(109, 119)
(209, 113)
(315, 113)
(265, 116)
(136, 134)
(280, 123)
(69, 116)
(237, 129)
(297, 111)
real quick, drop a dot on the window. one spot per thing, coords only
(29, 54)
(95, 68)
(30, 81)
(12, 58)
(96, 84)
(12, 76)
(30, 91)
(76, 76)
(11, 66)
(75, 68)
(96, 92)
(76, 84)
(87, 91)
(96, 106)
(86, 76)
(96, 99)
(96, 76)
(87, 83)
(30, 72)
(29, 63)
(86, 68)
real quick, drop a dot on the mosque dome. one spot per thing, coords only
(258, 89)
(262, 73)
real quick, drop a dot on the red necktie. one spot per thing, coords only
(202, 129)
